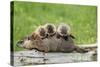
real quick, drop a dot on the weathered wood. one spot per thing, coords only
(34, 57)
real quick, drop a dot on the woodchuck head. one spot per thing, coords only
(41, 31)
(50, 29)
(64, 31)
(30, 42)
(33, 42)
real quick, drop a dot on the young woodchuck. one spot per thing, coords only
(41, 31)
(50, 30)
(64, 31)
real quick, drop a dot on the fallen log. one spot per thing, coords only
(35, 57)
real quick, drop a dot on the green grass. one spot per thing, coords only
(82, 19)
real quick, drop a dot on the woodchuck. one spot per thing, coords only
(41, 31)
(52, 44)
(64, 31)
(50, 30)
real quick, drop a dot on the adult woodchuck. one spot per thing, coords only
(52, 44)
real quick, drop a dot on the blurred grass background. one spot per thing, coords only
(29, 15)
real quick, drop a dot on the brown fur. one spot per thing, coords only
(50, 30)
(35, 36)
(41, 31)
(50, 44)
(63, 31)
